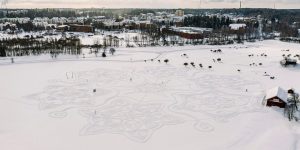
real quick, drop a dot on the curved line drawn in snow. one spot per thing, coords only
(135, 120)
(203, 126)
(78, 92)
(216, 100)
(58, 114)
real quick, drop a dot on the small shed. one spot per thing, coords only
(276, 97)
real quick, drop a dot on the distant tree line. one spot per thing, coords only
(207, 22)
(292, 15)
(33, 46)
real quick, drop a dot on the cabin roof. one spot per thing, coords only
(277, 92)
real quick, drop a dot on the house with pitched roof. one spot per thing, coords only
(276, 97)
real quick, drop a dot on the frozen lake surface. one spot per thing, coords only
(50, 104)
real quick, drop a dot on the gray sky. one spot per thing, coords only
(151, 3)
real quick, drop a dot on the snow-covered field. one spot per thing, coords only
(138, 105)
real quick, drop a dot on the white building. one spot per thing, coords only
(41, 19)
(179, 13)
(237, 26)
(58, 20)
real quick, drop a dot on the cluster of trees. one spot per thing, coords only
(68, 12)
(32, 46)
(111, 41)
(108, 41)
(2, 50)
(96, 49)
(29, 26)
(292, 106)
(290, 39)
(143, 40)
(32, 13)
(207, 22)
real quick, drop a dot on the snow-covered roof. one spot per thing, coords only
(191, 30)
(62, 26)
(277, 92)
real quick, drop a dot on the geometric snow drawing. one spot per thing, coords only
(135, 120)
(136, 104)
(215, 100)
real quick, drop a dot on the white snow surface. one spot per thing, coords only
(49, 104)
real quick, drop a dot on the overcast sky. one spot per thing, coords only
(151, 3)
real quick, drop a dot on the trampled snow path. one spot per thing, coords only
(162, 106)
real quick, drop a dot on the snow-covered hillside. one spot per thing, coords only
(142, 103)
